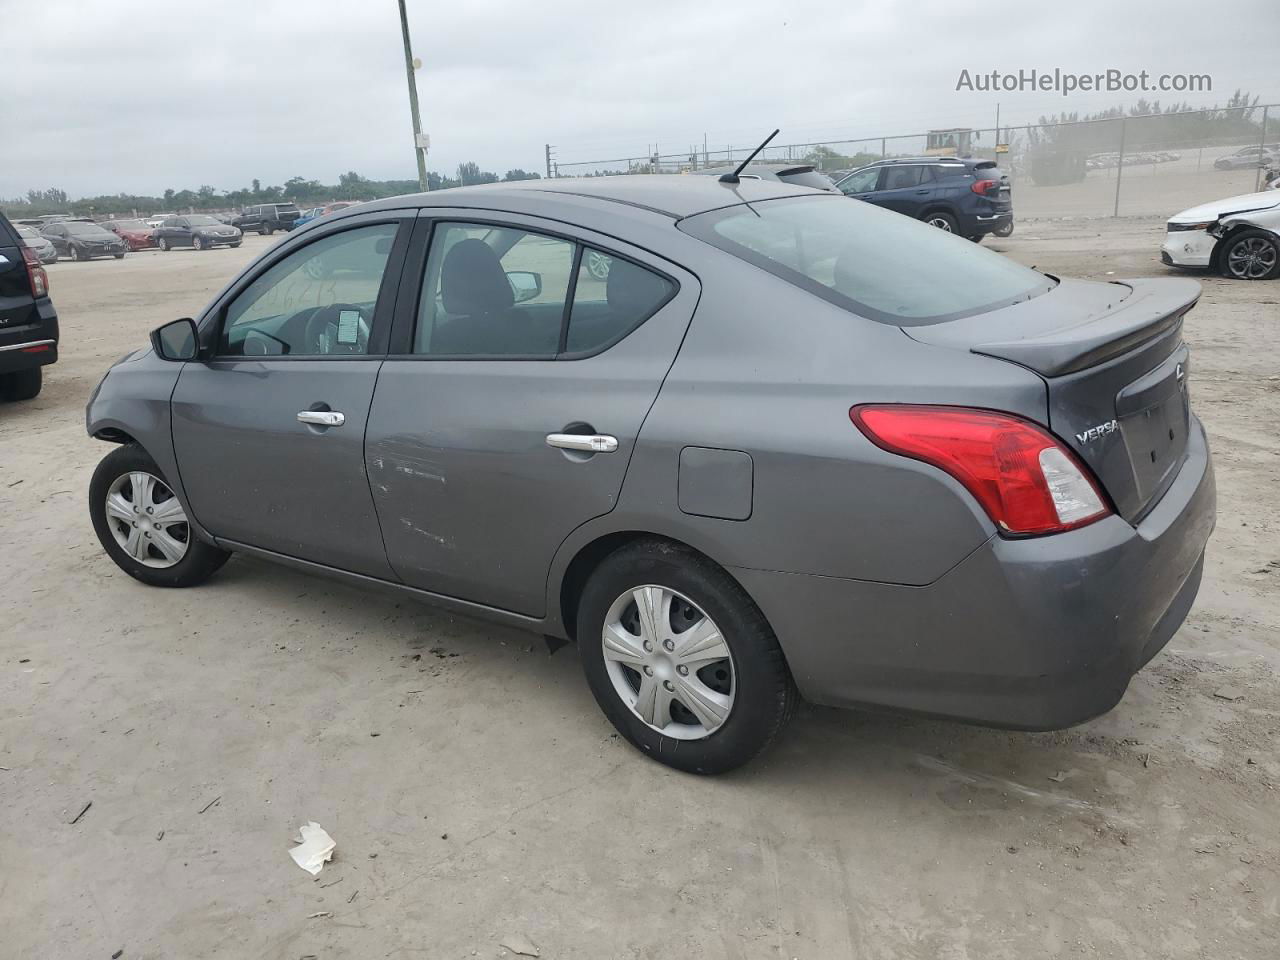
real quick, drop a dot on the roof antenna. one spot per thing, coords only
(733, 177)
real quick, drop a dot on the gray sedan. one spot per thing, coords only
(43, 248)
(766, 457)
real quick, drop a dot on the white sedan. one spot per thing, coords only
(1239, 236)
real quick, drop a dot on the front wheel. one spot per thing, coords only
(163, 244)
(1252, 255)
(198, 243)
(234, 245)
(943, 221)
(79, 253)
(265, 230)
(142, 525)
(118, 256)
(681, 660)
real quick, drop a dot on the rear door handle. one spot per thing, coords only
(588, 443)
(322, 418)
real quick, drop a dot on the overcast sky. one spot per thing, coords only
(140, 95)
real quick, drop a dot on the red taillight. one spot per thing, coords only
(1025, 479)
(35, 273)
(984, 187)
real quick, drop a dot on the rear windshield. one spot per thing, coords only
(27, 232)
(873, 262)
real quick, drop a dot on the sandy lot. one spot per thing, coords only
(476, 793)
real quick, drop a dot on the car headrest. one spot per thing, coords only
(472, 280)
(633, 290)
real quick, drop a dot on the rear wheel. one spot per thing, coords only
(941, 220)
(681, 660)
(21, 384)
(1251, 255)
(142, 525)
(265, 230)
(1004, 230)
(118, 256)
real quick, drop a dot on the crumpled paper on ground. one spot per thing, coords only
(315, 848)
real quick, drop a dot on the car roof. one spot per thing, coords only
(944, 161)
(670, 195)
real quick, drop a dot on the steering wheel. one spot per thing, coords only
(329, 330)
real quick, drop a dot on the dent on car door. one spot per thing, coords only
(514, 342)
(269, 432)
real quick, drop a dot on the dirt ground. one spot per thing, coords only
(476, 793)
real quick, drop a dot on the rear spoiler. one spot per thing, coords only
(1154, 307)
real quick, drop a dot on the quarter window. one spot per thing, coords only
(318, 301)
(612, 297)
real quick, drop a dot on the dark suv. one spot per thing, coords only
(28, 322)
(267, 218)
(968, 197)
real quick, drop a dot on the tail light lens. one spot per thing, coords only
(1024, 478)
(35, 273)
(984, 187)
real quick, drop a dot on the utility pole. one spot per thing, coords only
(419, 141)
(548, 161)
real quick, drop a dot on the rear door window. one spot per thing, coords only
(493, 291)
(898, 178)
(860, 181)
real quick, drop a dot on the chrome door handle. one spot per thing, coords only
(588, 443)
(322, 418)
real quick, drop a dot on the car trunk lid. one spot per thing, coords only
(1115, 369)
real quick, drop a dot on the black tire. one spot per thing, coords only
(198, 243)
(199, 563)
(234, 245)
(163, 244)
(1004, 230)
(1250, 255)
(79, 253)
(940, 219)
(21, 384)
(118, 256)
(265, 230)
(976, 237)
(764, 695)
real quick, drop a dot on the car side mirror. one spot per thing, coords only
(525, 284)
(178, 340)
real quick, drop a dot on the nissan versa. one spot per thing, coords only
(766, 457)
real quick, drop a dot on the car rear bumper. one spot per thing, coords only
(1187, 248)
(31, 344)
(1037, 634)
(976, 224)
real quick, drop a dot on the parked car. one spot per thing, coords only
(28, 322)
(156, 219)
(1250, 157)
(136, 234)
(771, 457)
(83, 241)
(965, 196)
(1239, 237)
(197, 230)
(31, 238)
(315, 213)
(267, 218)
(800, 175)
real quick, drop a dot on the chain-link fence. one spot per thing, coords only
(1151, 165)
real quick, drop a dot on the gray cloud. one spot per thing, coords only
(138, 96)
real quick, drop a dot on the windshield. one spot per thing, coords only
(131, 225)
(200, 220)
(77, 229)
(873, 262)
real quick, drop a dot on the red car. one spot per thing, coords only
(135, 233)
